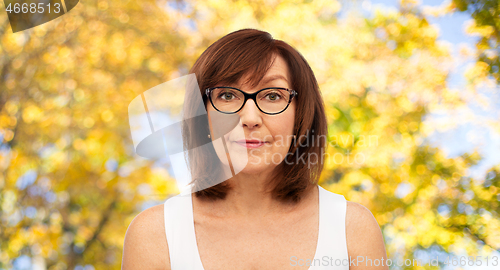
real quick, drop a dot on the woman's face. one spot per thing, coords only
(260, 141)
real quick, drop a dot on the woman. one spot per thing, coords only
(271, 214)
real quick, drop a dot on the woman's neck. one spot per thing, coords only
(249, 198)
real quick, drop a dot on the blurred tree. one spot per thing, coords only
(486, 15)
(70, 182)
(394, 76)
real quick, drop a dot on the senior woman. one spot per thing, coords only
(272, 214)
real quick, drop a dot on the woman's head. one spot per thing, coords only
(251, 60)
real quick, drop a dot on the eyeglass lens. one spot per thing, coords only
(230, 100)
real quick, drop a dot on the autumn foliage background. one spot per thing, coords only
(70, 181)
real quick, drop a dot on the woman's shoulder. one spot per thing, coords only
(145, 245)
(357, 213)
(363, 235)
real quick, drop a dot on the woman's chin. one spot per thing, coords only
(251, 164)
(257, 168)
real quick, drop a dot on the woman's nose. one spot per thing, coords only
(250, 115)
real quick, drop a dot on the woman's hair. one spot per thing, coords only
(250, 51)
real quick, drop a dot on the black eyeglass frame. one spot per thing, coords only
(253, 96)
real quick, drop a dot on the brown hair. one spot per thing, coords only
(250, 51)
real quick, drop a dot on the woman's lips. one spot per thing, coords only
(250, 143)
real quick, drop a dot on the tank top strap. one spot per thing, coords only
(332, 244)
(179, 229)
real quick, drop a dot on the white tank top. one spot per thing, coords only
(331, 249)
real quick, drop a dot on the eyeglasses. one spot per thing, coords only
(272, 100)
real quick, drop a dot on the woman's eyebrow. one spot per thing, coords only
(273, 78)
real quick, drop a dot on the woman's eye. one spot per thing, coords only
(226, 95)
(273, 96)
